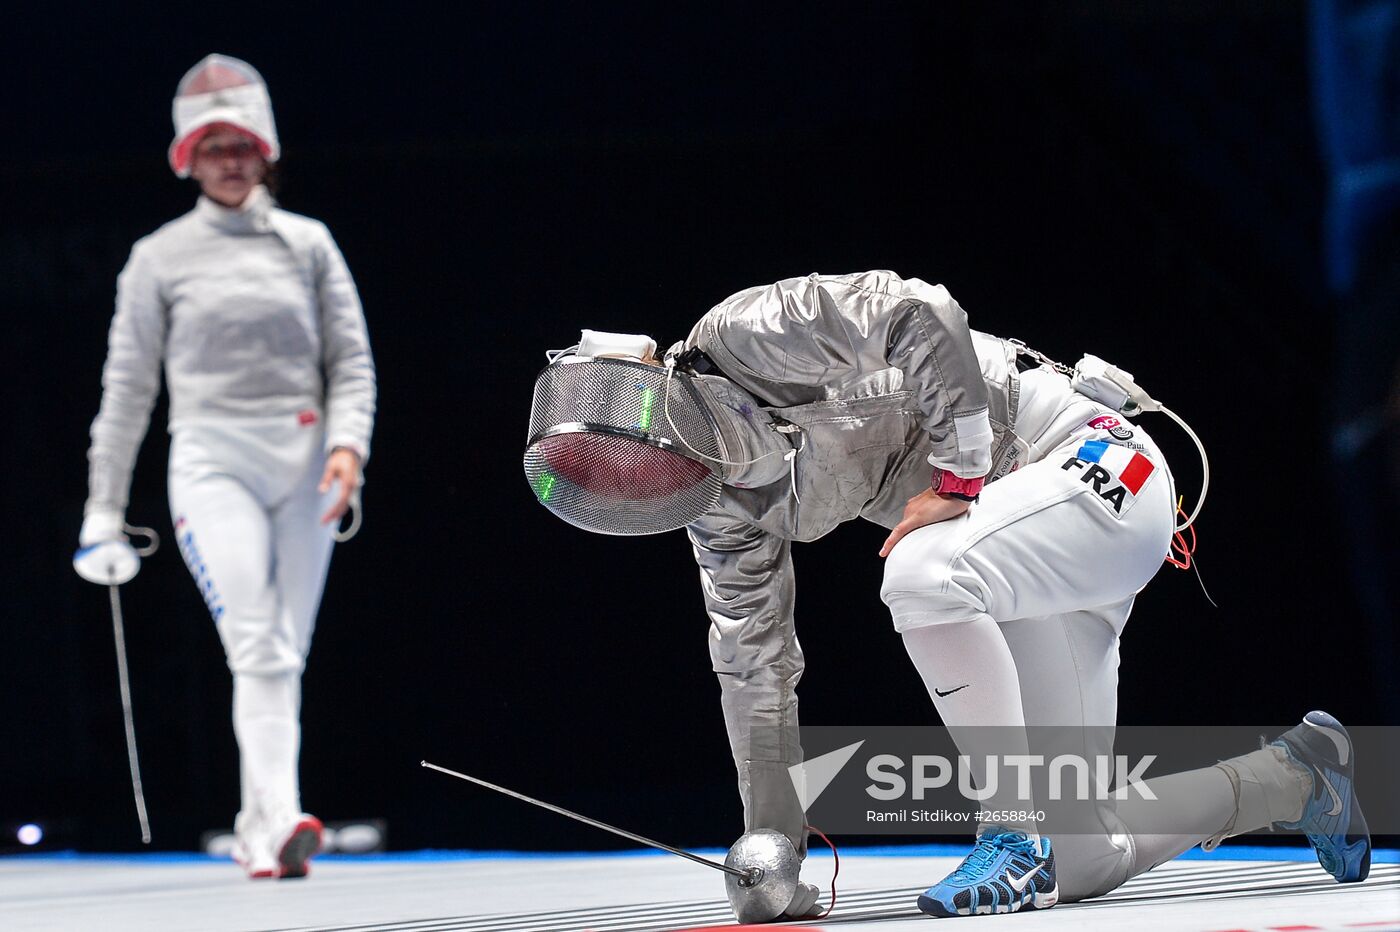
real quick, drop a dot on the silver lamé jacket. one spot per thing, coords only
(885, 380)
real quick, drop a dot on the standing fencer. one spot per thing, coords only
(1025, 517)
(254, 316)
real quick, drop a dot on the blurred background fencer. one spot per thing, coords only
(253, 315)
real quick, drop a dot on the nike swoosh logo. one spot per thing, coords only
(1336, 800)
(1026, 878)
(941, 693)
(1337, 738)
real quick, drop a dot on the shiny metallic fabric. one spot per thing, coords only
(884, 380)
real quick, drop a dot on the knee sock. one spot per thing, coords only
(266, 722)
(1268, 787)
(1236, 796)
(971, 677)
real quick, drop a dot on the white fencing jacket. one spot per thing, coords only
(253, 313)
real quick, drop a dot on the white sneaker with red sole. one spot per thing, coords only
(297, 845)
(276, 847)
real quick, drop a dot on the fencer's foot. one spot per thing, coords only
(296, 842)
(1005, 873)
(1332, 817)
(251, 848)
(276, 846)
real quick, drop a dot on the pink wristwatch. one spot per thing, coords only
(947, 483)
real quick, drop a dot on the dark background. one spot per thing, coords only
(1140, 181)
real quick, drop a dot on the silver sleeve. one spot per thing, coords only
(349, 364)
(748, 584)
(812, 331)
(130, 383)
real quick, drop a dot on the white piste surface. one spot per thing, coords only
(610, 893)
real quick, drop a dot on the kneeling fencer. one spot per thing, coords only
(1025, 517)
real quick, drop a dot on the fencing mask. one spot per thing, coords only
(621, 446)
(221, 89)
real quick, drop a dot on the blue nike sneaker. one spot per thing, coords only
(1005, 873)
(1332, 817)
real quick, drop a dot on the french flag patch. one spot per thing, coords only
(1115, 473)
(1130, 466)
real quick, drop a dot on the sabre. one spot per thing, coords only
(132, 761)
(112, 563)
(746, 877)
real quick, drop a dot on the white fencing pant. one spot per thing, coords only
(1054, 554)
(247, 515)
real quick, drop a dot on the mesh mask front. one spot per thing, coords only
(602, 454)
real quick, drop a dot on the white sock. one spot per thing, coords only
(970, 675)
(266, 713)
(1269, 787)
(1239, 795)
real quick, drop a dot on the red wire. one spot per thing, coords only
(1181, 547)
(836, 870)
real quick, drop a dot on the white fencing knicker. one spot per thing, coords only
(1050, 560)
(247, 516)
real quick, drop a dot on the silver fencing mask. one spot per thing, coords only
(602, 454)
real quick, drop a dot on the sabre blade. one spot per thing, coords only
(118, 634)
(741, 874)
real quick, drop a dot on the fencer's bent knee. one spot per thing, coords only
(925, 585)
(1089, 865)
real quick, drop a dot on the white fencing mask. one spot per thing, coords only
(221, 89)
